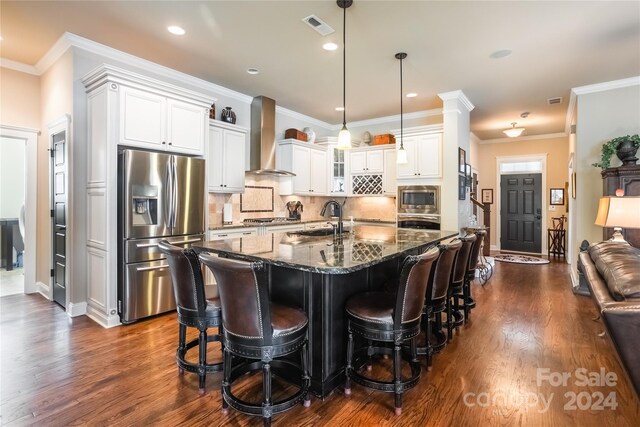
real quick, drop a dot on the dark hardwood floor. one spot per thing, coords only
(57, 371)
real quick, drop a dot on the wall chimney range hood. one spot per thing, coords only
(263, 138)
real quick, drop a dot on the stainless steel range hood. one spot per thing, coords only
(263, 138)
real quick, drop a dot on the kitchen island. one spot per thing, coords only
(318, 274)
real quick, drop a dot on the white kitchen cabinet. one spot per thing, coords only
(389, 174)
(226, 158)
(126, 109)
(308, 162)
(424, 153)
(366, 161)
(153, 121)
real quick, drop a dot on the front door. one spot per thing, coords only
(521, 212)
(58, 216)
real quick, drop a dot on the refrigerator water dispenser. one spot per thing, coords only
(145, 204)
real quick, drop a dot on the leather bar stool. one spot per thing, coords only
(389, 318)
(435, 302)
(455, 300)
(469, 302)
(194, 310)
(259, 331)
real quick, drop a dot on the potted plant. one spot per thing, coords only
(625, 148)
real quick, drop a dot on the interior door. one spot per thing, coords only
(521, 212)
(59, 217)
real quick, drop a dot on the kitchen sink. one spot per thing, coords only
(316, 232)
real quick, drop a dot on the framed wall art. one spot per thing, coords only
(487, 195)
(462, 160)
(556, 196)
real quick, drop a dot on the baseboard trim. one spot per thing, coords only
(77, 309)
(43, 289)
(100, 318)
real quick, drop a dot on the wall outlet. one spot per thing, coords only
(552, 207)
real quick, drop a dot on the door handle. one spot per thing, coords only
(157, 267)
(538, 217)
(146, 245)
(184, 242)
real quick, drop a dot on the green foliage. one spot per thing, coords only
(609, 148)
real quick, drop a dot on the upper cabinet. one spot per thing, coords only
(226, 157)
(369, 171)
(338, 172)
(157, 122)
(367, 161)
(424, 153)
(308, 162)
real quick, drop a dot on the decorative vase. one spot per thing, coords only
(626, 152)
(228, 116)
(311, 135)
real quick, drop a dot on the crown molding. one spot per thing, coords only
(473, 137)
(418, 130)
(394, 118)
(457, 95)
(300, 116)
(601, 87)
(19, 129)
(524, 138)
(54, 53)
(18, 66)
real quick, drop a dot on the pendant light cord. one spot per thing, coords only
(401, 112)
(344, 67)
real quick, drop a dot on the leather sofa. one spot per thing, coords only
(612, 272)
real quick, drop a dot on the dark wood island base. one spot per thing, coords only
(319, 275)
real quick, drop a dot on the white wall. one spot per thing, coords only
(12, 177)
(601, 116)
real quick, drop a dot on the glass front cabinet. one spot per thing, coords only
(338, 167)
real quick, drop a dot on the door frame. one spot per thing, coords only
(59, 125)
(500, 160)
(30, 137)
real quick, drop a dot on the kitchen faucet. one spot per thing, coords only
(337, 206)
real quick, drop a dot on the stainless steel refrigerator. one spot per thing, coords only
(160, 196)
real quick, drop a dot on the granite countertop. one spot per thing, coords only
(364, 246)
(275, 224)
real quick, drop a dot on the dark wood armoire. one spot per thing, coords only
(628, 179)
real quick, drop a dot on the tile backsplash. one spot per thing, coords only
(374, 207)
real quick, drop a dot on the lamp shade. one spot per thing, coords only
(401, 158)
(344, 139)
(619, 212)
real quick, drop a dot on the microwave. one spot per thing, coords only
(419, 199)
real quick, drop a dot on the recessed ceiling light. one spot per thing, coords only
(501, 53)
(330, 46)
(178, 31)
(412, 95)
(339, 108)
(253, 71)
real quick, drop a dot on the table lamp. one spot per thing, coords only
(618, 212)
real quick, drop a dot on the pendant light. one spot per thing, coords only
(514, 132)
(401, 155)
(344, 137)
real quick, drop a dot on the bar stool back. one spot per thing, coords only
(436, 298)
(194, 310)
(388, 318)
(455, 301)
(260, 331)
(469, 302)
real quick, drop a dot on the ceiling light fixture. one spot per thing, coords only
(344, 137)
(401, 157)
(253, 71)
(330, 46)
(175, 30)
(412, 95)
(514, 132)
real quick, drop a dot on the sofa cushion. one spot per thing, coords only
(619, 265)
